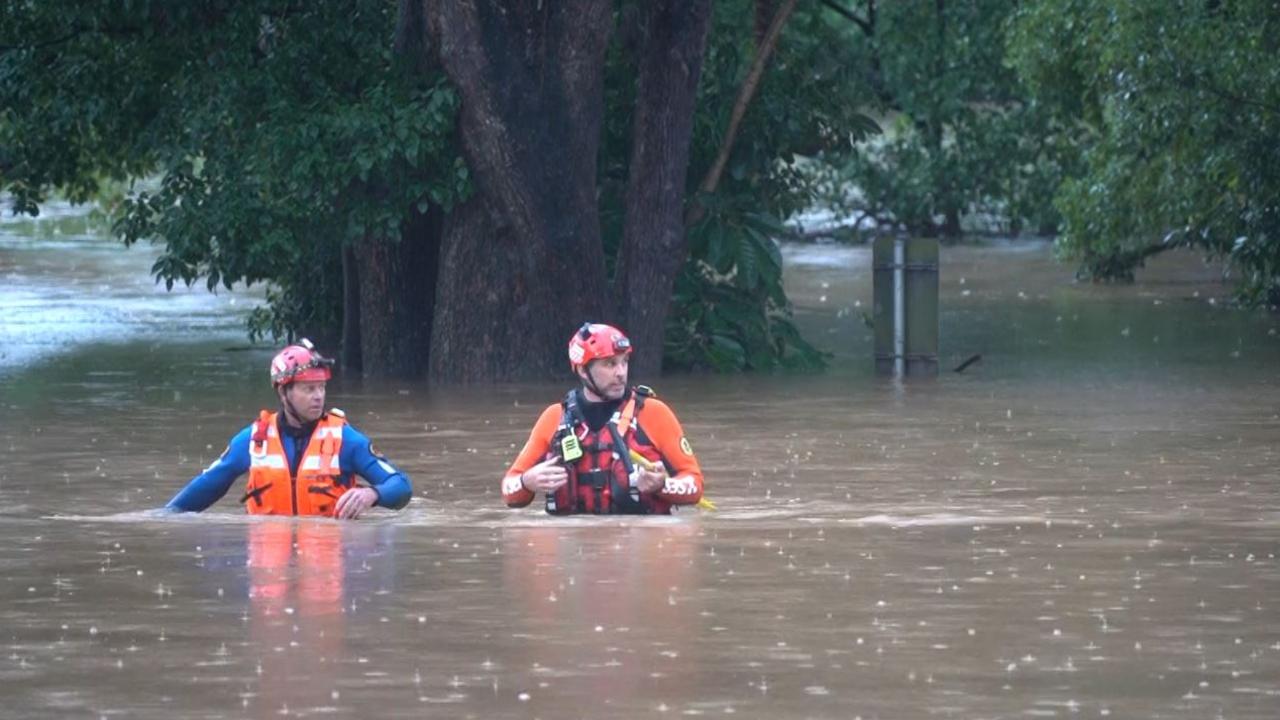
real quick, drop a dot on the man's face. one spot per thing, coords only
(307, 399)
(609, 376)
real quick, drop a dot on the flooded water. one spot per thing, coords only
(1082, 524)
(64, 285)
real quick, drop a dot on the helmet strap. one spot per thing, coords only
(589, 382)
(291, 414)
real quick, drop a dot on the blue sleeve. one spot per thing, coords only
(209, 486)
(357, 456)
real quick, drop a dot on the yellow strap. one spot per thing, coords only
(624, 417)
(642, 461)
(647, 464)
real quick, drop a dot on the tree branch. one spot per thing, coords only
(867, 28)
(1191, 79)
(745, 95)
(75, 32)
(1199, 82)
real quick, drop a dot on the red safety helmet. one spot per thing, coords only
(299, 363)
(595, 341)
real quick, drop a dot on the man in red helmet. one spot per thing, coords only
(607, 447)
(301, 460)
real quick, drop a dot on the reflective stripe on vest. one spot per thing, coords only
(272, 490)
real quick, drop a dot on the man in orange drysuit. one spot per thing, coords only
(607, 447)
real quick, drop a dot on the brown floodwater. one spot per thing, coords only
(1082, 524)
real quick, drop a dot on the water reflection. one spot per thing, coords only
(611, 608)
(287, 576)
(296, 577)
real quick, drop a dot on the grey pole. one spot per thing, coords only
(905, 306)
(899, 307)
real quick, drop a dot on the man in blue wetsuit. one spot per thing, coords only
(301, 460)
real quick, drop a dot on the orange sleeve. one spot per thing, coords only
(534, 451)
(684, 487)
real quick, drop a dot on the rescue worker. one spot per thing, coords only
(607, 447)
(301, 460)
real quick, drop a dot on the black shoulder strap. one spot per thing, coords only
(570, 412)
(641, 393)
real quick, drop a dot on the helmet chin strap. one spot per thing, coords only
(291, 412)
(590, 383)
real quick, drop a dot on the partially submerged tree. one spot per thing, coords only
(314, 148)
(654, 246)
(523, 258)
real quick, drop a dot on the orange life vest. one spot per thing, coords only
(600, 480)
(315, 490)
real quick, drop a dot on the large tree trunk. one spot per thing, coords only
(351, 358)
(654, 246)
(397, 279)
(389, 284)
(522, 263)
(412, 42)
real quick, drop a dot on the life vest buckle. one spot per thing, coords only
(322, 490)
(256, 494)
(595, 479)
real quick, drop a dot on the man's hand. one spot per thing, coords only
(547, 476)
(650, 481)
(354, 502)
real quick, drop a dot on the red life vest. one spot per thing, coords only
(600, 480)
(315, 490)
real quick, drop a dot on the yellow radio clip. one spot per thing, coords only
(570, 450)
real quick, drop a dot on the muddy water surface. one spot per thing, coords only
(1083, 524)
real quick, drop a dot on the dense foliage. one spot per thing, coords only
(964, 149)
(266, 137)
(1179, 107)
(278, 133)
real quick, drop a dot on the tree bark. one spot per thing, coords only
(522, 263)
(397, 278)
(389, 283)
(412, 42)
(654, 245)
(351, 357)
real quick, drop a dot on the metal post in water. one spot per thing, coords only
(899, 307)
(905, 306)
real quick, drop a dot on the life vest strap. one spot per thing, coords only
(622, 499)
(260, 429)
(597, 479)
(629, 410)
